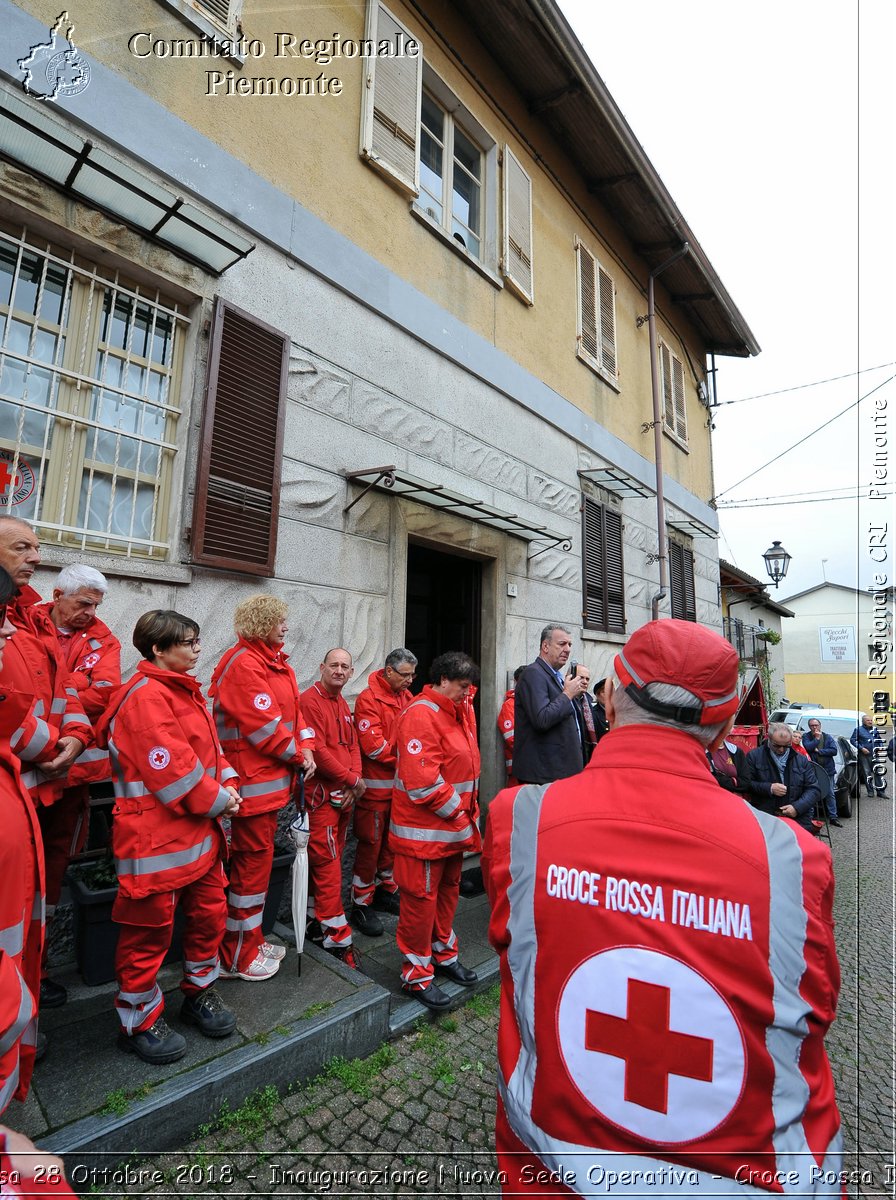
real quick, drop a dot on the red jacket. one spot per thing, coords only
(260, 723)
(505, 728)
(34, 665)
(336, 749)
(668, 976)
(433, 800)
(93, 656)
(21, 909)
(377, 710)
(169, 773)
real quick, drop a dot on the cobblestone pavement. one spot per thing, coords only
(416, 1119)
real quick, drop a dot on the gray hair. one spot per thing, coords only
(76, 576)
(396, 657)
(777, 726)
(629, 711)
(548, 630)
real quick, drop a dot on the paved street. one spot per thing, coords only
(416, 1118)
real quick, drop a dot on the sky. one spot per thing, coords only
(773, 126)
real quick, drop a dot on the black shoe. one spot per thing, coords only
(387, 902)
(348, 955)
(40, 1046)
(158, 1044)
(207, 1011)
(52, 994)
(314, 933)
(365, 921)
(432, 995)
(837, 824)
(460, 974)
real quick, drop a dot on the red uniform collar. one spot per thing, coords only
(274, 657)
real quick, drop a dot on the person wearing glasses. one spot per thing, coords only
(267, 740)
(172, 786)
(377, 710)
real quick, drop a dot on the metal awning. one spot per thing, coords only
(31, 138)
(617, 481)
(436, 495)
(691, 528)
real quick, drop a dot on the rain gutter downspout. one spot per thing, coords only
(662, 548)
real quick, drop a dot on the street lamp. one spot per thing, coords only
(777, 560)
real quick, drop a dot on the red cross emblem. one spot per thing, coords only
(651, 1044)
(15, 486)
(650, 1050)
(159, 758)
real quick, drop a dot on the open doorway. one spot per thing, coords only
(444, 606)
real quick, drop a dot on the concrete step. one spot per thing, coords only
(96, 1105)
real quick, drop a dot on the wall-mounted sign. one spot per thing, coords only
(838, 643)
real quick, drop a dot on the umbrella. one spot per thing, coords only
(299, 831)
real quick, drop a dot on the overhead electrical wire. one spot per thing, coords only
(733, 504)
(798, 387)
(812, 433)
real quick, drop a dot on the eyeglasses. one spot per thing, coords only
(404, 674)
(193, 643)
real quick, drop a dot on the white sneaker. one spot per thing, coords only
(277, 953)
(261, 967)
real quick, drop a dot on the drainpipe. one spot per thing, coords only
(658, 431)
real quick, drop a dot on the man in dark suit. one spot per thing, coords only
(548, 736)
(780, 781)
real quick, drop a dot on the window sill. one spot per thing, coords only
(597, 635)
(206, 27)
(673, 437)
(425, 219)
(117, 566)
(612, 381)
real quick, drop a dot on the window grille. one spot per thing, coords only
(89, 371)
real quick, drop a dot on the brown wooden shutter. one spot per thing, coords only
(587, 307)
(603, 579)
(238, 477)
(681, 582)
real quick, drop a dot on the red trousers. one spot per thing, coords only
(251, 855)
(373, 858)
(64, 827)
(429, 890)
(144, 937)
(326, 843)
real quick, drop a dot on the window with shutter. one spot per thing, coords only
(238, 478)
(681, 582)
(596, 338)
(674, 410)
(390, 113)
(603, 578)
(516, 258)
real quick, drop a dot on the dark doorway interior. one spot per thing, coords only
(444, 605)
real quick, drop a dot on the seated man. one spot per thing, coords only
(778, 781)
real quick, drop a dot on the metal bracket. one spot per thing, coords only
(564, 544)
(385, 475)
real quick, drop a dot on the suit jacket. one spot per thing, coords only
(803, 791)
(548, 742)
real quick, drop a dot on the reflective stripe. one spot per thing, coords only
(57, 705)
(181, 787)
(131, 791)
(8, 1089)
(451, 805)
(425, 703)
(379, 785)
(290, 753)
(265, 789)
(236, 654)
(220, 804)
(94, 644)
(38, 909)
(237, 901)
(132, 1007)
(422, 793)
(94, 754)
(22, 1020)
(39, 708)
(98, 683)
(233, 924)
(38, 742)
(419, 960)
(31, 779)
(451, 944)
(412, 834)
(264, 732)
(467, 786)
(75, 718)
(152, 863)
(508, 735)
(378, 751)
(305, 734)
(203, 975)
(12, 938)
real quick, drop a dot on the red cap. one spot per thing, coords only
(687, 655)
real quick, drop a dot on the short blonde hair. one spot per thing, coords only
(257, 616)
